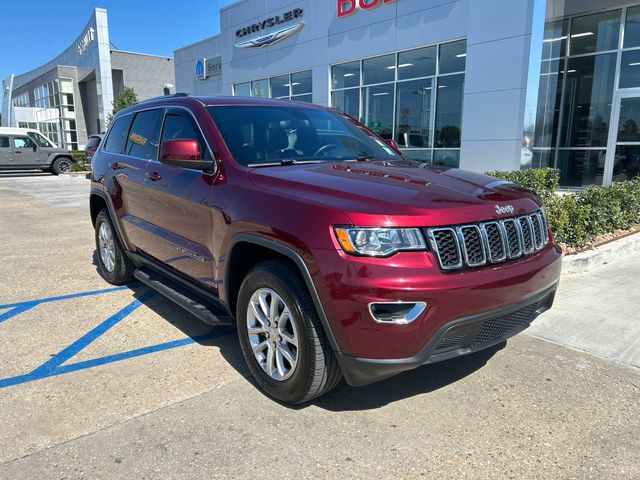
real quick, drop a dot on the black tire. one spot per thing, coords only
(61, 165)
(317, 371)
(123, 267)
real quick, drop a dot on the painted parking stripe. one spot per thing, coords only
(54, 366)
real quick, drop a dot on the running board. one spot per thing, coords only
(206, 310)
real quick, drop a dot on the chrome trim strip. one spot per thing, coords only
(412, 316)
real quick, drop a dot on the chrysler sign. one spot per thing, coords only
(348, 7)
(262, 34)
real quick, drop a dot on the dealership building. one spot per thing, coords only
(70, 97)
(481, 85)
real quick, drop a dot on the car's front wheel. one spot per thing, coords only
(113, 264)
(61, 165)
(281, 335)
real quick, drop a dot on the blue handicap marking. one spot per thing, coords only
(56, 365)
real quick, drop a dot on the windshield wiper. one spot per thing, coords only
(364, 157)
(283, 163)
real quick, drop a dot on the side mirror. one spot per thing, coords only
(393, 144)
(183, 153)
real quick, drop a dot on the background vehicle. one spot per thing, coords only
(23, 149)
(92, 145)
(336, 255)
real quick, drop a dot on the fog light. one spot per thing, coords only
(400, 313)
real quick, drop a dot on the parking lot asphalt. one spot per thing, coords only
(97, 382)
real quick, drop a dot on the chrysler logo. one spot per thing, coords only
(271, 38)
(504, 210)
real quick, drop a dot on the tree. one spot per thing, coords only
(127, 98)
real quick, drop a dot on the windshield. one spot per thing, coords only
(280, 135)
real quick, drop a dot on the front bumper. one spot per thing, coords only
(456, 338)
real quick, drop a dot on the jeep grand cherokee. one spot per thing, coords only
(333, 253)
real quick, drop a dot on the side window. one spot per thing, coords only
(117, 138)
(23, 142)
(144, 136)
(39, 139)
(179, 126)
(4, 142)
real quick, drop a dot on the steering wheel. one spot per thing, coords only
(325, 148)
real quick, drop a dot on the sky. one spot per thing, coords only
(36, 31)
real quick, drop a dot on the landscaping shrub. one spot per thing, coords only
(544, 181)
(579, 219)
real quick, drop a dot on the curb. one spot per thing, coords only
(585, 261)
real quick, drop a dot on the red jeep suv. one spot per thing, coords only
(332, 252)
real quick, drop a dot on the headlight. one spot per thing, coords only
(379, 242)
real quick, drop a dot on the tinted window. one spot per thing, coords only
(4, 142)
(346, 75)
(23, 142)
(118, 135)
(595, 33)
(379, 69)
(453, 57)
(39, 139)
(93, 142)
(180, 126)
(272, 134)
(144, 136)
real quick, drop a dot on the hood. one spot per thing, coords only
(399, 193)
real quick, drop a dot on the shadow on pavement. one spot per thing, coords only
(422, 380)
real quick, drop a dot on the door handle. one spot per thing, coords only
(115, 166)
(153, 176)
(18, 151)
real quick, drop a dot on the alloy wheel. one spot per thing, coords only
(273, 334)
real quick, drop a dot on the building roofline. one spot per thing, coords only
(127, 52)
(191, 45)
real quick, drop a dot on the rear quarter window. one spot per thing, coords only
(117, 138)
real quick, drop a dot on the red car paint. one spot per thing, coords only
(188, 220)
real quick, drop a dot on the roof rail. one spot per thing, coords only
(173, 95)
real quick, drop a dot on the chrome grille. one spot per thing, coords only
(490, 242)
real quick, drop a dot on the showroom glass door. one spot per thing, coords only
(623, 154)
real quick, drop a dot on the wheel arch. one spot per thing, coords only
(247, 250)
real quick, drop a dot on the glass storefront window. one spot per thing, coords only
(345, 75)
(303, 98)
(378, 109)
(424, 156)
(449, 111)
(595, 33)
(554, 44)
(549, 98)
(280, 86)
(587, 105)
(629, 124)
(632, 28)
(541, 159)
(260, 88)
(417, 63)
(413, 110)
(453, 57)
(301, 82)
(242, 90)
(447, 158)
(630, 69)
(347, 101)
(626, 164)
(379, 69)
(579, 168)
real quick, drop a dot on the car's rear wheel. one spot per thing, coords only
(113, 264)
(281, 335)
(61, 165)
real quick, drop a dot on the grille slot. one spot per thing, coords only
(445, 242)
(472, 245)
(496, 242)
(490, 242)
